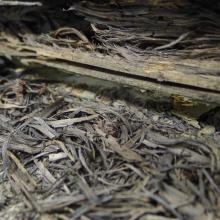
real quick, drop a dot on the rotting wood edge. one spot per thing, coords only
(181, 80)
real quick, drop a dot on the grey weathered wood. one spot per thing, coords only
(195, 80)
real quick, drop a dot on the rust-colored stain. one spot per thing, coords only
(180, 101)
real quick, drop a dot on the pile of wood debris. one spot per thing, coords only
(72, 158)
(67, 157)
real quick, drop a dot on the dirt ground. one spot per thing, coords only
(65, 157)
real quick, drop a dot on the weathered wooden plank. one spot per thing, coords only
(163, 90)
(203, 74)
(193, 79)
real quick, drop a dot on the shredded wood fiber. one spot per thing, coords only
(189, 28)
(68, 158)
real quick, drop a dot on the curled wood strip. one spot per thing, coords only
(67, 30)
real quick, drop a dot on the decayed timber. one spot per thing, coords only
(186, 25)
(193, 79)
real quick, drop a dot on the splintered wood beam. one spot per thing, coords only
(194, 79)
